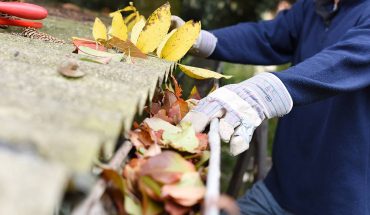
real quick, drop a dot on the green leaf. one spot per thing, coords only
(151, 207)
(132, 207)
(203, 159)
(98, 60)
(150, 187)
(185, 140)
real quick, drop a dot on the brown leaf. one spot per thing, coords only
(175, 209)
(155, 108)
(187, 192)
(167, 167)
(112, 176)
(140, 138)
(131, 173)
(162, 114)
(178, 111)
(127, 47)
(178, 90)
(69, 69)
(169, 100)
(203, 141)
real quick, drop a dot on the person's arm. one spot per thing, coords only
(343, 67)
(263, 43)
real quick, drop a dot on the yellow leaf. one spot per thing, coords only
(119, 28)
(130, 18)
(155, 29)
(131, 24)
(136, 30)
(163, 43)
(100, 31)
(199, 73)
(181, 41)
(131, 7)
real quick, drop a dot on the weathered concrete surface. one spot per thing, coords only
(60, 120)
(29, 185)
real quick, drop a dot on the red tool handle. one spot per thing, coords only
(21, 23)
(23, 10)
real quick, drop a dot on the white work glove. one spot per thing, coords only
(205, 44)
(242, 108)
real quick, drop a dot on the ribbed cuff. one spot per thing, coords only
(205, 45)
(271, 93)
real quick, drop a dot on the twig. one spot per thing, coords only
(93, 200)
(214, 172)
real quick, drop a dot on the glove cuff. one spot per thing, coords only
(270, 93)
(205, 45)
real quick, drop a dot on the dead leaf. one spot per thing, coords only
(167, 167)
(87, 43)
(157, 124)
(151, 207)
(162, 114)
(70, 69)
(132, 205)
(178, 111)
(111, 175)
(187, 192)
(185, 140)
(178, 90)
(175, 209)
(169, 100)
(150, 187)
(203, 141)
(126, 47)
(153, 150)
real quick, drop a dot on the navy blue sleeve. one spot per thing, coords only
(263, 43)
(340, 68)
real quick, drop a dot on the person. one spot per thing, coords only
(321, 154)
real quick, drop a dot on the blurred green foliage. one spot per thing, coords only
(212, 13)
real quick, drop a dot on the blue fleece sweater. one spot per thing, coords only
(321, 155)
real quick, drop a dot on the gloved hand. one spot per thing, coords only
(242, 108)
(205, 44)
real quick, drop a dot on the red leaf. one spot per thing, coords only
(88, 43)
(203, 141)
